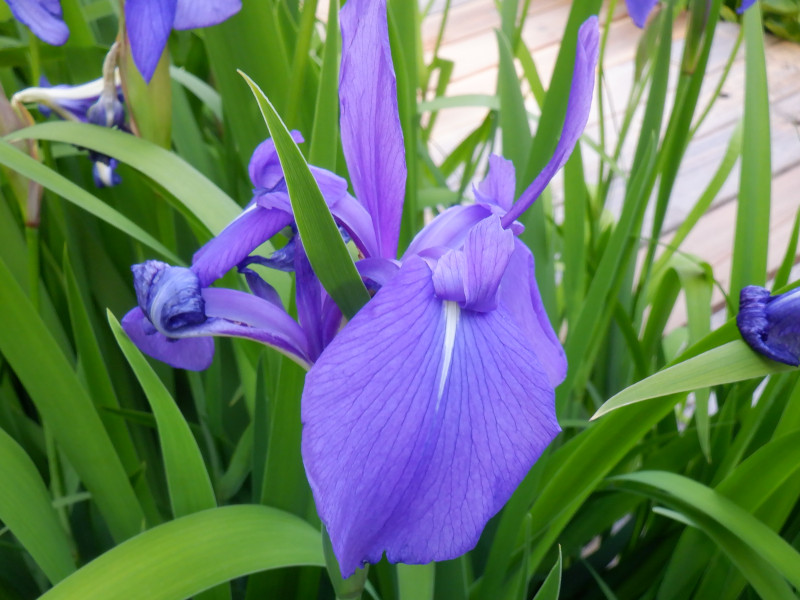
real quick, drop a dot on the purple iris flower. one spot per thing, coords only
(178, 311)
(771, 324)
(44, 18)
(423, 414)
(98, 102)
(149, 22)
(639, 10)
(426, 411)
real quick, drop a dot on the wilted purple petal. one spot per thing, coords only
(578, 105)
(193, 354)
(253, 227)
(104, 171)
(148, 23)
(771, 324)
(191, 14)
(371, 134)
(420, 419)
(44, 18)
(639, 10)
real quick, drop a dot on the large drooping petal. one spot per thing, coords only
(771, 324)
(420, 419)
(578, 106)
(639, 10)
(43, 17)
(191, 14)
(371, 134)
(148, 23)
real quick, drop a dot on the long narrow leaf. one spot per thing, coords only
(321, 238)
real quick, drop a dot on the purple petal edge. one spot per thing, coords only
(579, 104)
(370, 122)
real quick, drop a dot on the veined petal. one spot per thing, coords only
(519, 295)
(193, 354)
(191, 14)
(449, 229)
(44, 18)
(371, 134)
(253, 227)
(578, 106)
(639, 10)
(148, 23)
(420, 419)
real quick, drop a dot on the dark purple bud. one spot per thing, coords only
(169, 296)
(771, 324)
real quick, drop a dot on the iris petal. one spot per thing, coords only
(371, 134)
(43, 17)
(578, 105)
(414, 436)
(244, 234)
(148, 23)
(639, 10)
(191, 14)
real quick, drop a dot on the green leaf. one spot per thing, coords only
(325, 137)
(26, 509)
(199, 198)
(322, 241)
(766, 581)
(66, 408)
(749, 266)
(734, 361)
(768, 544)
(33, 169)
(513, 116)
(551, 587)
(187, 478)
(415, 582)
(185, 556)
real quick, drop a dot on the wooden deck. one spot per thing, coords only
(470, 42)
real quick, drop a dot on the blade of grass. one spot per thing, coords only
(321, 238)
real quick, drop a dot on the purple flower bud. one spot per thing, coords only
(771, 324)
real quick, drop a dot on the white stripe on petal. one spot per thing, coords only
(452, 313)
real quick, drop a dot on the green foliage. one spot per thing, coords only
(676, 475)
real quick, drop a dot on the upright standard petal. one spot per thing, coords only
(420, 419)
(43, 17)
(371, 134)
(148, 23)
(191, 14)
(578, 106)
(771, 324)
(639, 10)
